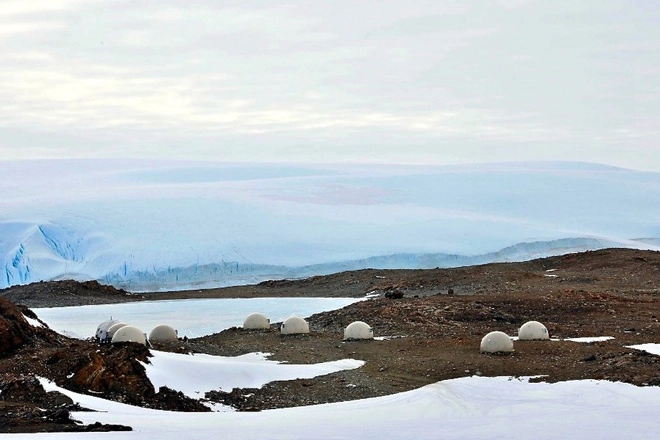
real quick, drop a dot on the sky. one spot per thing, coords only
(431, 82)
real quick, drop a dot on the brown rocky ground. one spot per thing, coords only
(431, 334)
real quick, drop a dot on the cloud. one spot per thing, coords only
(329, 77)
(14, 8)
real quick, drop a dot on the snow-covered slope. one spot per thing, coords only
(466, 408)
(168, 225)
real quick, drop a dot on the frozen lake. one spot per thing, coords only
(191, 317)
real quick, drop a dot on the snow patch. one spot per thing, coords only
(649, 348)
(589, 339)
(196, 374)
(33, 322)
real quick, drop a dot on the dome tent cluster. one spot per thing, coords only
(109, 331)
(500, 342)
(114, 331)
(295, 325)
(105, 330)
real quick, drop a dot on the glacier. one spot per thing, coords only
(167, 225)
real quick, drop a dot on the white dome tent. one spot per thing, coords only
(113, 329)
(128, 333)
(102, 330)
(533, 330)
(163, 333)
(496, 342)
(256, 321)
(294, 325)
(358, 330)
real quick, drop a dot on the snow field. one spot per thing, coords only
(467, 408)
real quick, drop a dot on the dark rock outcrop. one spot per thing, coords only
(13, 327)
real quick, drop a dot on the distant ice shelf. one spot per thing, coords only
(174, 225)
(228, 274)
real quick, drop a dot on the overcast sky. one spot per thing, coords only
(344, 80)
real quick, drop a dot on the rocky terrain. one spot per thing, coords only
(429, 325)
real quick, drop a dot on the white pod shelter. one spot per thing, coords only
(496, 342)
(294, 325)
(163, 332)
(358, 330)
(256, 321)
(102, 330)
(533, 330)
(113, 329)
(128, 333)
